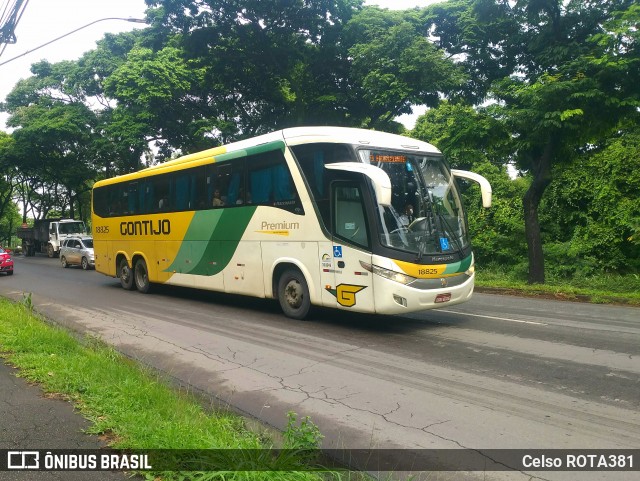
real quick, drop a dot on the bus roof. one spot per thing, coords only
(304, 135)
(292, 136)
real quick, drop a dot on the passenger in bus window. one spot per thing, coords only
(217, 201)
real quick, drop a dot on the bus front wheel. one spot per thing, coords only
(125, 275)
(293, 294)
(141, 276)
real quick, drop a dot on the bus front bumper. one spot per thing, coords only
(394, 298)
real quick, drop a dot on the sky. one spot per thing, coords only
(45, 20)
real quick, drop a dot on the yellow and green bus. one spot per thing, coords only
(337, 217)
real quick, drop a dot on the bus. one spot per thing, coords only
(337, 217)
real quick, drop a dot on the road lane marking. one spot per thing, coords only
(493, 317)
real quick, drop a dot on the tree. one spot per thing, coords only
(121, 138)
(592, 212)
(473, 140)
(8, 209)
(263, 65)
(561, 73)
(53, 137)
(394, 66)
(156, 101)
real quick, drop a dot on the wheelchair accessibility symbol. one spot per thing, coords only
(337, 251)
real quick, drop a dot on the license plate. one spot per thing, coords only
(443, 298)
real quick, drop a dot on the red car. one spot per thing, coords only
(6, 262)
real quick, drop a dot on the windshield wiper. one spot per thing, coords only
(447, 230)
(431, 229)
(438, 231)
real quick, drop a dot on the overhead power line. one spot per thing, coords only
(11, 15)
(134, 20)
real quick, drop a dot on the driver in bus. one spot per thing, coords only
(407, 217)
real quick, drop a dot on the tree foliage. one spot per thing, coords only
(394, 66)
(265, 64)
(474, 140)
(547, 86)
(560, 73)
(591, 216)
(53, 136)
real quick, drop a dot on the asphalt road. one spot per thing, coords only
(30, 420)
(497, 372)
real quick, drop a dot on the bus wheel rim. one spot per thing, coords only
(125, 272)
(293, 293)
(141, 275)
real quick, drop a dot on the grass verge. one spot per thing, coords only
(601, 289)
(133, 406)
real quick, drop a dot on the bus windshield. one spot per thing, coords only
(426, 214)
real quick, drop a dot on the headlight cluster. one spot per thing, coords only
(471, 269)
(388, 274)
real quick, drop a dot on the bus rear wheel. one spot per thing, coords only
(141, 276)
(293, 294)
(125, 274)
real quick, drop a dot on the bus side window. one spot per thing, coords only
(116, 199)
(260, 186)
(161, 190)
(198, 188)
(101, 204)
(145, 197)
(182, 191)
(218, 178)
(132, 198)
(233, 189)
(270, 181)
(312, 159)
(188, 188)
(350, 219)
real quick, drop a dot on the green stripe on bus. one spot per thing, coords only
(459, 266)
(258, 149)
(211, 240)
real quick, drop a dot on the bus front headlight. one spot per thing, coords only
(471, 269)
(388, 273)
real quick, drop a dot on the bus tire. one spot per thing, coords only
(293, 294)
(141, 276)
(125, 274)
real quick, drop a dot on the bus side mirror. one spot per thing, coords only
(379, 178)
(485, 186)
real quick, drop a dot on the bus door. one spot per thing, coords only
(351, 244)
